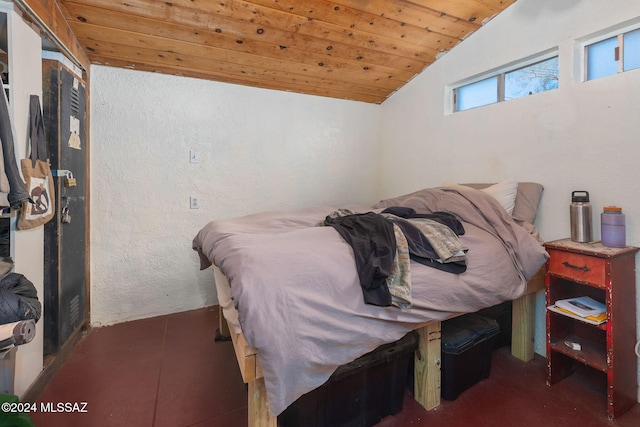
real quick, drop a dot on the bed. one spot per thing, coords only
(290, 292)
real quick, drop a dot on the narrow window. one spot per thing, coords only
(477, 94)
(613, 55)
(631, 50)
(528, 79)
(601, 58)
(535, 78)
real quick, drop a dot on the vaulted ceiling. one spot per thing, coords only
(361, 50)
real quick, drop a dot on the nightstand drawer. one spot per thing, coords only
(582, 268)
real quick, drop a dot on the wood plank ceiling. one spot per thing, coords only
(360, 50)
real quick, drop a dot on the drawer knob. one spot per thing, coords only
(575, 267)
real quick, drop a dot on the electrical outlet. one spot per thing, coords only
(194, 156)
(194, 202)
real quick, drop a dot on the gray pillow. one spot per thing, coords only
(527, 199)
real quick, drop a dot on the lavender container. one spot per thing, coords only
(613, 229)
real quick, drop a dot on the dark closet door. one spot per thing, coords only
(64, 111)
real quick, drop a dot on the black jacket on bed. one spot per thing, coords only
(374, 246)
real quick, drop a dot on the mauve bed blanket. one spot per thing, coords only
(295, 286)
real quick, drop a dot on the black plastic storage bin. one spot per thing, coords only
(501, 313)
(358, 394)
(467, 343)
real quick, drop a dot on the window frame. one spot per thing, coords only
(617, 32)
(500, 74)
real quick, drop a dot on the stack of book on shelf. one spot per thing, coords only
(582, 308)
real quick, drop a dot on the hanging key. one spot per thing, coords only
(70, 181)
(65, 217)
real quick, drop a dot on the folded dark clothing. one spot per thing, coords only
(421, 250)
(445, 218)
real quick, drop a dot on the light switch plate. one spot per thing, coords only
(194, 202)
(194, 156)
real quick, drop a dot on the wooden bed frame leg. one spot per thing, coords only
(427, 367)
(259, 415)
(223, 325)
(523, 319)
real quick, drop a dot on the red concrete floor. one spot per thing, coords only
(168, 372)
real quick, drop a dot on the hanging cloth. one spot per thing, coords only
(37, 173)
(10, 180)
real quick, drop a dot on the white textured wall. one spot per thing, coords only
(259, 150)
(582, 136)
(25, 74)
